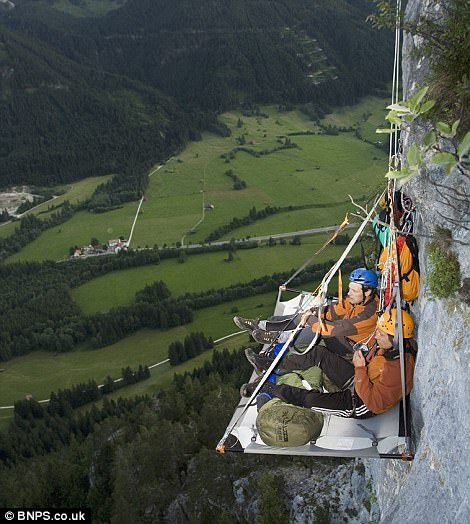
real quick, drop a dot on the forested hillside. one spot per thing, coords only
(216, 54)
(83, 96)
(63, 121)
(128, 460)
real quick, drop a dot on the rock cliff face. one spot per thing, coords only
(434, 488)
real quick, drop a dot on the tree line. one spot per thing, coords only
(253, 216)
(30, 227)
(111, 458)
(258, 154)
(123, 187)
(192, 346)
(38, 312)
(238, 183)
(66, 400)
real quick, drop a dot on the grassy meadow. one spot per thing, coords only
(366, 116)
(198, 273)
(54, 243)
(74, 193)
(323, 169)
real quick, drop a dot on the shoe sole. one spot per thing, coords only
(243, 389)
(263, 341)
(241, 326)
(252, 361)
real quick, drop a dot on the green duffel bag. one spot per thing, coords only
(284, 425)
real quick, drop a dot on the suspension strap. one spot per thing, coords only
(323, 287)
(340, 288)
(312, 258)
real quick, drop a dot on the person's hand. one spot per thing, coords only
(358, 359)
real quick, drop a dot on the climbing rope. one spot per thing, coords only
(339, 229)
(393, 254)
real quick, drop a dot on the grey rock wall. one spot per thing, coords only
(435, 487)
(317, 491)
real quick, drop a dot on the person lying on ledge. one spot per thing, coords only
(343, 324)
(369, 385)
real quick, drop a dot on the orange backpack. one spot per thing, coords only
(409, 269)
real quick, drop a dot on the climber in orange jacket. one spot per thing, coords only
(343, 324)
(370, 385)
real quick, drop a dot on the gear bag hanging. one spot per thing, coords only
(409, 268)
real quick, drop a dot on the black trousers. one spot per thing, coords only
(344, 403)
(339, 345)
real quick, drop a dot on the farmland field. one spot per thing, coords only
(54, 243)
(366, 116)
(323, 169)
(74, 193)
(288, 221)
(198, 273)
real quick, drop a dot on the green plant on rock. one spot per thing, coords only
(444, 268)
(444, 30)
(271, 490)
(455, 156)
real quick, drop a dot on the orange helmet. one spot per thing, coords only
(388, 320)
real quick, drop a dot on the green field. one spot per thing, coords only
(324, 169)
(288, 221)
(198, 273)
(54, 243)
(74, 193)
(40, 373)
(366, 116)
(161, 376)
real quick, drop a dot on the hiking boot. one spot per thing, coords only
(260, 362)
(265, 337)
(246, 390)
(246, 324)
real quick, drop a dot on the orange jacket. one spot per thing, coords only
(379, 384)
(356, 322)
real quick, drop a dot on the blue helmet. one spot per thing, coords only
(365, 277)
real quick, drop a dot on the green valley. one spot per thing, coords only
(285, 160)
(39, 373)
(198, 273)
